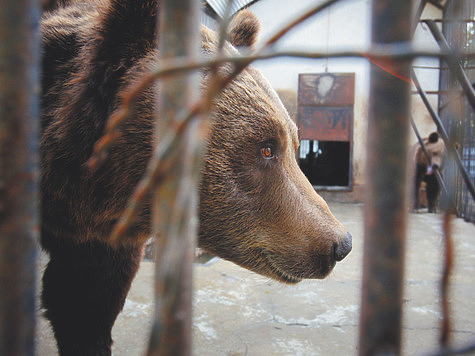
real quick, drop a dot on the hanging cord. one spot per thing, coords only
(328, 38)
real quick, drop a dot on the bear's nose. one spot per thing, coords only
(342, 248)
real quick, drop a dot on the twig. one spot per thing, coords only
(155, 170)
(183, 64)
(400, 51)
(154, 174)
(299, 20)
(444, 283)
(101, 147)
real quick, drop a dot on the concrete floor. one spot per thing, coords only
(237, 312)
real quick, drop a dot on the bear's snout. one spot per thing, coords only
(341, 249)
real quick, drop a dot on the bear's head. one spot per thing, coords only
(257, 208)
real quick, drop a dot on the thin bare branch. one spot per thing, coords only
(444, 283)
(156, 170)
(400, 51)
(298, 21)
(154, 174)
(180, 65)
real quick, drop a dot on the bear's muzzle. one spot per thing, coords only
(341, 249)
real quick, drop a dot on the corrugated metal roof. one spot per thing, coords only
(219, 6)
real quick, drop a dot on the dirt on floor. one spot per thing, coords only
(237, 312)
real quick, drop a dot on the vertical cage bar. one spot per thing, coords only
(174, 210)
(18, 174)
(386, 192)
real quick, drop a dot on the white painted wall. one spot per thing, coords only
(345, 25)
(429, 78)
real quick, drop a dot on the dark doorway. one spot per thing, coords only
(325, 163)
(325, 121)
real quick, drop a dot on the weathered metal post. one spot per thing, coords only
(386, 194)
(19, 87)
(175, 206)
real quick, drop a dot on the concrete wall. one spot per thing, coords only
(343, 26)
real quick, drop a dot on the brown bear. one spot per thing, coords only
(425, 171)
(256, 208)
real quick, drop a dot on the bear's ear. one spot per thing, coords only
(243, 29)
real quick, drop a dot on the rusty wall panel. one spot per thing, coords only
(327, 89)
(325, 123)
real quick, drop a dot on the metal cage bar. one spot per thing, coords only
(175, 205)
(19, 83)
(386, 198)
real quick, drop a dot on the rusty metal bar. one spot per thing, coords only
(174, 209)
(386, 197)
(19, 83)
(443, 133)
(445, 279)
(448, 205)
(453, 64)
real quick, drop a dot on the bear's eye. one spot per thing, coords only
(267, 152)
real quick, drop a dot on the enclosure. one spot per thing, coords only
(237, 312)
(407, 286)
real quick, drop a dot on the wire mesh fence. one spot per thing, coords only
(455, 110)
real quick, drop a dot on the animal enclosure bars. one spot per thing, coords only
(173, 171)
(455, 109)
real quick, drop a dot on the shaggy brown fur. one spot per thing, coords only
(425, 170)
(257, 209)
(48, 5)
(243, 29)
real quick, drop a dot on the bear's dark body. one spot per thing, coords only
(257, 209)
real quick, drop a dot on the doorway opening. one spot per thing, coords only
(325, 163)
